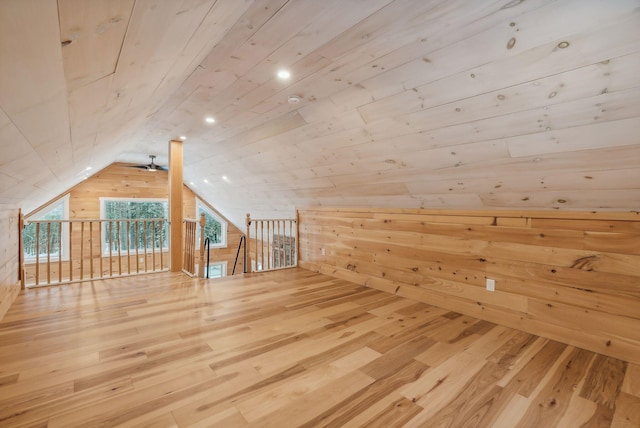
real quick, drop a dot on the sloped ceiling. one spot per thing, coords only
(406, 103)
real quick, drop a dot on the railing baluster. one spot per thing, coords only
(70, 251)
(119, 245)
(262, 245)
(128, 246)
(247, 244)
(290, 244)
(161, 245)
(281, 244)
(59, 252)
(82, 250)
(201, 265)
(153, 244)
(90, 249)
(110, 223)
(144, 238)
(268, 245)
(37, 253)
(49, 252)
(137, 224)
(100, 249)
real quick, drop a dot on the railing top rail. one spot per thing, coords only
(93, 220)
(274, 219)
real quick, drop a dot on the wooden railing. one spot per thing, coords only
(271, 244)
(193, 250)
(63, 251)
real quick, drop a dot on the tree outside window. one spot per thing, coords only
(131, 235)
(215, 228)
(53, 240)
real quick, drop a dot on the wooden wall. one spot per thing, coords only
(571, 277)
(8, 256)
(120, 181)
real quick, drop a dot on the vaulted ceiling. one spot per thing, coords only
(401, 103)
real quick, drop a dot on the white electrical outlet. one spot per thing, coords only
(141, 260)
(323, 252)
(491, 284)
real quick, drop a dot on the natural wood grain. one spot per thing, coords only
(605, 380)
(404, 103)
(570, 277)
(285, 348)
(175, 198)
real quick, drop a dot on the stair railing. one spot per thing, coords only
(243, 239)
(271, 244)
(207, 249)
(191, 248)
(64, 251)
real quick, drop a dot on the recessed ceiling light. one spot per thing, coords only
(225, 178)
(88, 168)
(183, 137)
(191, 183)
(209, 119)
(284, 74)
(205, 180)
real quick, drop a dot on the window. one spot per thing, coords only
(216, 270)
(58, 236)
(125, 235)
(215, 228)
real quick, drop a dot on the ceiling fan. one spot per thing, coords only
(151, 166)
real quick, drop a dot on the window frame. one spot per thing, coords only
(223, 271)
(223, 224)
(64, 240)
(103, 216)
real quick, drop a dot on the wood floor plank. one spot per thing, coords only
(579, 412)
(473, 400)
(396, 413)
(604, 381)
(631, 384)
(353, 409)
(287, 348)
(627, 411)
(307, 406)
(272, 399)
(551, 403)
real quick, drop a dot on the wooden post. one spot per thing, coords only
(175, 205)
(37, 252)
(203, 222)
(297, 243)
(21, 272)
(247, 240)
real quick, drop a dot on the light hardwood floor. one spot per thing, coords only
(285, 349)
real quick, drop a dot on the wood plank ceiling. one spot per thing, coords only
(403, 103)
